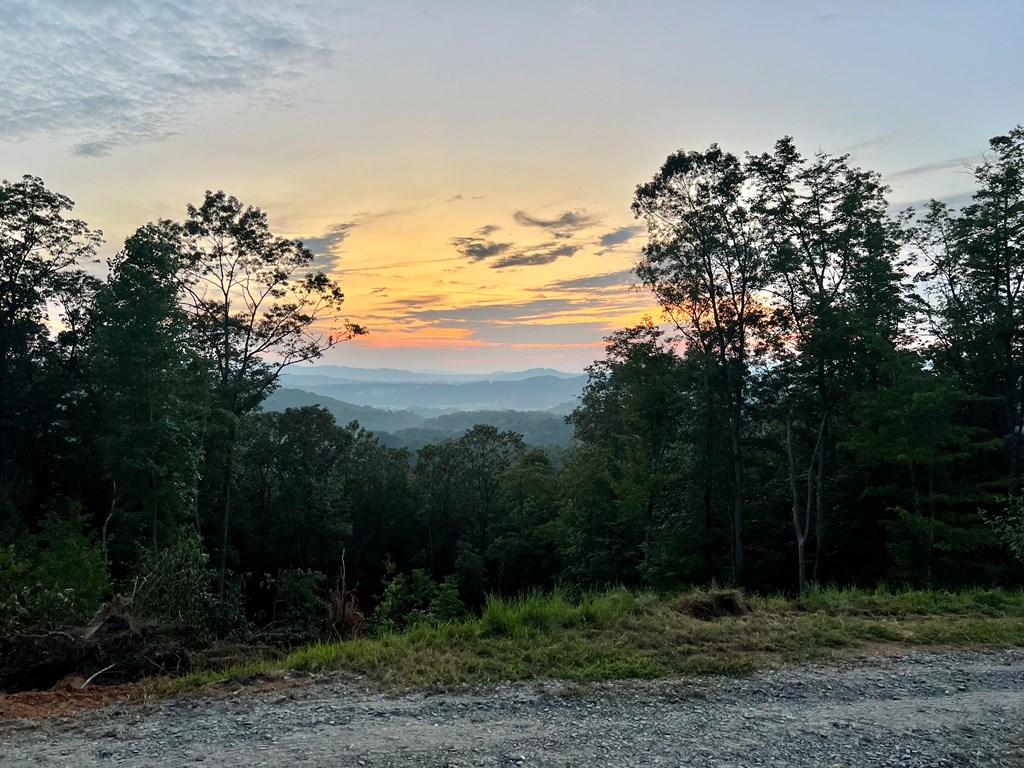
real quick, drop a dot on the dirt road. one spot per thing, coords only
(956, 709)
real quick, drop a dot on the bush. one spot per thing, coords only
(447, 605)
(406, 600)
(471, 575)
(54, 580)
(299, 607)
(175, 586)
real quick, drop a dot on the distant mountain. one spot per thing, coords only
(394, 375)
(374, 419)
(405, 429)
(533, 393)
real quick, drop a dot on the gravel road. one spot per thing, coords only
(954, 709)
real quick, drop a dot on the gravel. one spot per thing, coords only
(953, 709)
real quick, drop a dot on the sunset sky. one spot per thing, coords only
(465, 167)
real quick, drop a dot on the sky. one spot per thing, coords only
(465, 167)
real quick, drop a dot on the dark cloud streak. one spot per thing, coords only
(534, 258)
(620, 236)
(478, 248)
(570, 220)
(326, 246)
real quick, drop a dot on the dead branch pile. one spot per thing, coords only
(114, 647)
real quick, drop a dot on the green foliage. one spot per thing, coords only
(406, 600)
(882, 601)
(299, 602)
(153, 391)
(471, 575)
(56, 578)
(175, 587)
(446, 605)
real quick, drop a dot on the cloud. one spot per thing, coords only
(955, 201)
(589, 282)
(906, 173)
(110, 73)
(416, 302)
(326, 246)
(570, 220)
(876, 141)
(454, 198)
(481, 249)
(620, 236)
(331, 239)
(478, 248)
(532, 258)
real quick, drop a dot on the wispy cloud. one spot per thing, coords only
(568, 221)
(109, 73)
(589, 282)
(876, 141)
(919, 170)
(503, 255)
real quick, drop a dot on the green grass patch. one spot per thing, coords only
(622, 635)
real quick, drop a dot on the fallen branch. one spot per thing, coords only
(97, 674)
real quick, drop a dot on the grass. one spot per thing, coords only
(621, 634)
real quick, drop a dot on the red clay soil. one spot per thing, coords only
(59, 703)
(69, 699)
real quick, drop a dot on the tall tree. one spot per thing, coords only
(838, 302)
(488, 453)
(706, 263)
(152, 388)
(257, 308)
(915, 443)
(973, 283)
(40, 246)
(632, 407)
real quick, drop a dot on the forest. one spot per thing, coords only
(833, 395)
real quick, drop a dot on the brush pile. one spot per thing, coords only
(114, 647)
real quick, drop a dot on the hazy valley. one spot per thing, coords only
(411, 409)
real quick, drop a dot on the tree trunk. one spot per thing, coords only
(228, 466)
(737, 496)
(819, 517)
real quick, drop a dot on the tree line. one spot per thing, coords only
(835, 393)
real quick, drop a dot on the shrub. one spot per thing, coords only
(55, 579)
(299, 603)
(175, 587)
(447, 605)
